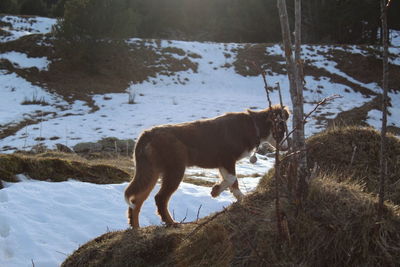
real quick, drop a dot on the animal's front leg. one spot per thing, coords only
(228, 180)
(235, 190)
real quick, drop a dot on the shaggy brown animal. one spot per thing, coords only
(212, 143)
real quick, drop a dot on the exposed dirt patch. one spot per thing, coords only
(356, 116)
(252, 58)
(366, 69)
(318, 73)
(34, 45)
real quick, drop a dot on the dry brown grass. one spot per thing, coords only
(333, 150)
(56, 166)
(337, 226)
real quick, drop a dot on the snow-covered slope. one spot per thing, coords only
(42, 222)
(185, 96)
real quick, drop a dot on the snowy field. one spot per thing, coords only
(42, 222)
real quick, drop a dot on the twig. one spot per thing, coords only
(33, 264)
(263, 74)
(280, 93)
(277, 189)
(198, 213)
(287, 156)
(304, 121)
(61, 253)
(352, 155)
(184, 218)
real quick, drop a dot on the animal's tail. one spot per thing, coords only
(145, 175)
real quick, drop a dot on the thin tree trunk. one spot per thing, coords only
(287, 42)
(295, 75)
(299, 84)
(385, 80)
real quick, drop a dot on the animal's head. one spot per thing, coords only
(271, 123)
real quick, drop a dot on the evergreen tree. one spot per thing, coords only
(8, 7)
(33, 7)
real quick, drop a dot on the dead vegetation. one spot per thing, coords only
(57, 167)
(337, 225)
(353, 153)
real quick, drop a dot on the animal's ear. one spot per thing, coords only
(285, 113)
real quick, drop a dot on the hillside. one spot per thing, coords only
(48, 99)
(337, 225)
(189, 80)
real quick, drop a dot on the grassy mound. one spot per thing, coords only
(334, 149)
(58, 167)
(338, 227)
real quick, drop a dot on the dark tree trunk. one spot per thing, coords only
(385, 80)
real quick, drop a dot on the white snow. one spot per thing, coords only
(22, 26)
(43, 222)
(21, 60)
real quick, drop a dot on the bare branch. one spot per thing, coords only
(263, 74)
(280, 93)
(198, 213)
(321, 102)
(184, 218)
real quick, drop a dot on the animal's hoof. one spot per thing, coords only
(216, 190)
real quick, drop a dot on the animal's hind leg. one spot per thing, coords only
(170, 182)
(135, 201)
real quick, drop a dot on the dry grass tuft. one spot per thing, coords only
(334, 149)
(59, 167)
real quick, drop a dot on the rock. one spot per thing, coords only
(64, 148)
(112, 144)
(106, 145)
(39, 148)
(88, 147)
